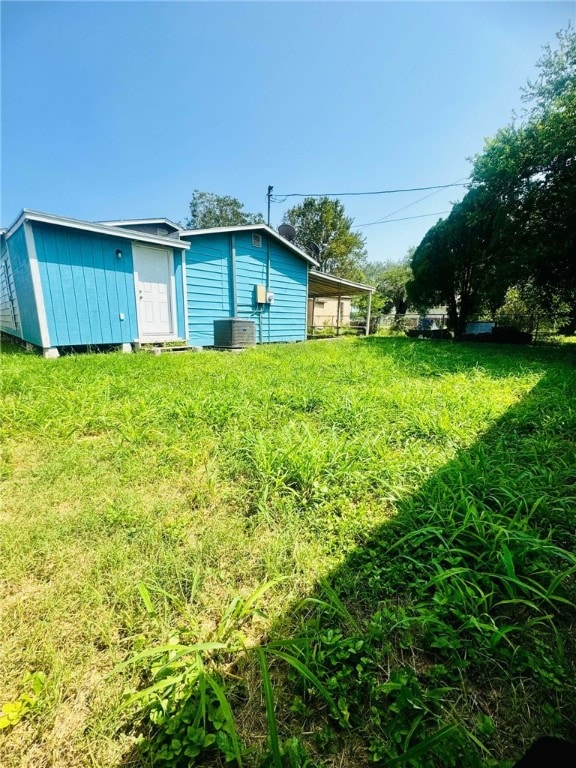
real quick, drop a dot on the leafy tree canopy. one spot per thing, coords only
(210, 210)
(391, 280)
(556, 81)
(517, 223)
(324, 230)
(531, 171)
(460, 262)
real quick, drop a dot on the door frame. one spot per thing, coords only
(172, 335)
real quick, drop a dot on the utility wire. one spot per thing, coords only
(384, 218)
(406, 218)
(355, 194)
(404, 207)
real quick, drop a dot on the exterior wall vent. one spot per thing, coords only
(234, 333)
(256, 240)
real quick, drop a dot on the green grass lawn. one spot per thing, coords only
(408, 509)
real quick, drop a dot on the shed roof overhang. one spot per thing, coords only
(322, 285)
(136, 222)
(103, 229)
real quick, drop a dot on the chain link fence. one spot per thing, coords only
(538, 327)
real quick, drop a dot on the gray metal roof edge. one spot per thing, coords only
(159, 220)
(128, 234)
(342, 281)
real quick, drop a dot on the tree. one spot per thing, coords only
(530, 170)
(524, 307)
(393, 284)
(516, 226)
(556, 81)
(391, 279)
(459, 262)
(324, 230)
(210, 210)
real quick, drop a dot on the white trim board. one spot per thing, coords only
(37, 284)
(185, 298)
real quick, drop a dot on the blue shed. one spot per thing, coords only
(249, 272)
(68, 283)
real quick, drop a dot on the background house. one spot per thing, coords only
(328, 312)
(326, 292)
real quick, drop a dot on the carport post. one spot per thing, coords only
(368, 314)
(338, 313)
(313, 308)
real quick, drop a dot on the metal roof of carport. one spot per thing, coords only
(322, 285)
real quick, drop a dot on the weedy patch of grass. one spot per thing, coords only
(412, 504)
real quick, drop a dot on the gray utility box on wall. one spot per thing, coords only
(234, 333)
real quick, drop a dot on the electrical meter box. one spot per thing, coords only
(260, 294)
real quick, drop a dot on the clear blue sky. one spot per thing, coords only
(122, 109)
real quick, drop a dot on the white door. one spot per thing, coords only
(153, 275)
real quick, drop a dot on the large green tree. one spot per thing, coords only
(391, 279)
(324, 230)
(210, 210)
(516, 226)
(461, 262)
(530, 170)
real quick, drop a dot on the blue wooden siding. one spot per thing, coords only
(86, 287)
(208, 282)
(251, 270)
(22, 278)
(210, 287)
(289, 284)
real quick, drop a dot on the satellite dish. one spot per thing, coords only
(315, 250)
(287, 231)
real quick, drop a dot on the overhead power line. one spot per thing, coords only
(382, 219)
(404, 218)
(276, 198)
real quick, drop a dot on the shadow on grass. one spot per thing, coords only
(453, 620)
(428, 356)
(10, 345)
(447, 636)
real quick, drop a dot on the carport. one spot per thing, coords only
(321, 285)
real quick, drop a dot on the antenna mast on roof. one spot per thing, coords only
(269, 195)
